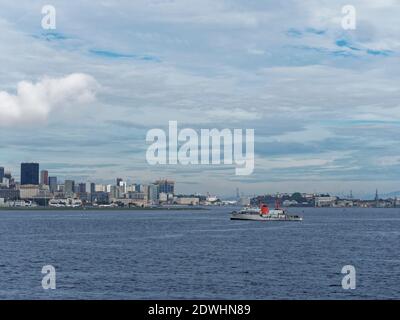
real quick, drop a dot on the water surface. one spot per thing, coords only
(199, 254)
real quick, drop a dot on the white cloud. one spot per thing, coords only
(311, 133)
(236, 114)
(220, 62)
(34, 102)
(285, 163)
(388, 161)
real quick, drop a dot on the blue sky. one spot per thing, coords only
(324, 102)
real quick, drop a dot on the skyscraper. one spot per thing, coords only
(44, 177)
(152, 193)
(165, 186)
(123, 186)
(53, 184)
(69, 188)
(29, 173)
(82, 188)
(1, 174)
(92, 192)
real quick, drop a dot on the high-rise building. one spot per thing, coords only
(5, 183)
(29, 173)
(101, 188)
(7, 175)
(166, 186)
(119, 180)
(123, 186)
(1, 174)
(152, 193)
(92, 192)
(69, 188)
(44, 177)
(115, 192)
(82, 188)
(53, 184)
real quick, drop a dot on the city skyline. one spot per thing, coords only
(323, 101)
(44, 177)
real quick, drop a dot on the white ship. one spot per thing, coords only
(263, 214)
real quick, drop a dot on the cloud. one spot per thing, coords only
(286, 69)
(34, 102)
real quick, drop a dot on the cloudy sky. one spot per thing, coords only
(324, 101)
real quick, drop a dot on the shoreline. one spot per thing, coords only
(168, 208)
(95, 209)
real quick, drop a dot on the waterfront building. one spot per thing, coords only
(136, 187)
(123, 186)
(127, 202)
(163, 197)
(115, 192)
(44, 177)
(5, 184)
(1, 174)
(28, 191)
(9, 194)
(53, 184)
(166, 186)
(82, 188)
(152, 193)
(131, 188)
(92, 189)
(100, 188)
(192, 201)
(325, 201)
(69, 188)
(8, 175)
(137, 196)
(29, 174)
(100, 197)
(343, 203)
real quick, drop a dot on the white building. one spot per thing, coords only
(325, 201)
(100, 188)
(193, 201)
(5, 183)
(123, 186)
(28, 191)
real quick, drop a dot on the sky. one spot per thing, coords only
(324, 102)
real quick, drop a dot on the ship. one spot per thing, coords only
(263, 213)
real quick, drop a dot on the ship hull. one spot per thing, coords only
(257, 217)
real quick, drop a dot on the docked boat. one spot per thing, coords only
(263, 214)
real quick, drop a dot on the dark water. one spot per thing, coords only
(199, 254)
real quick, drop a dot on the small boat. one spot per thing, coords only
(263, 214)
